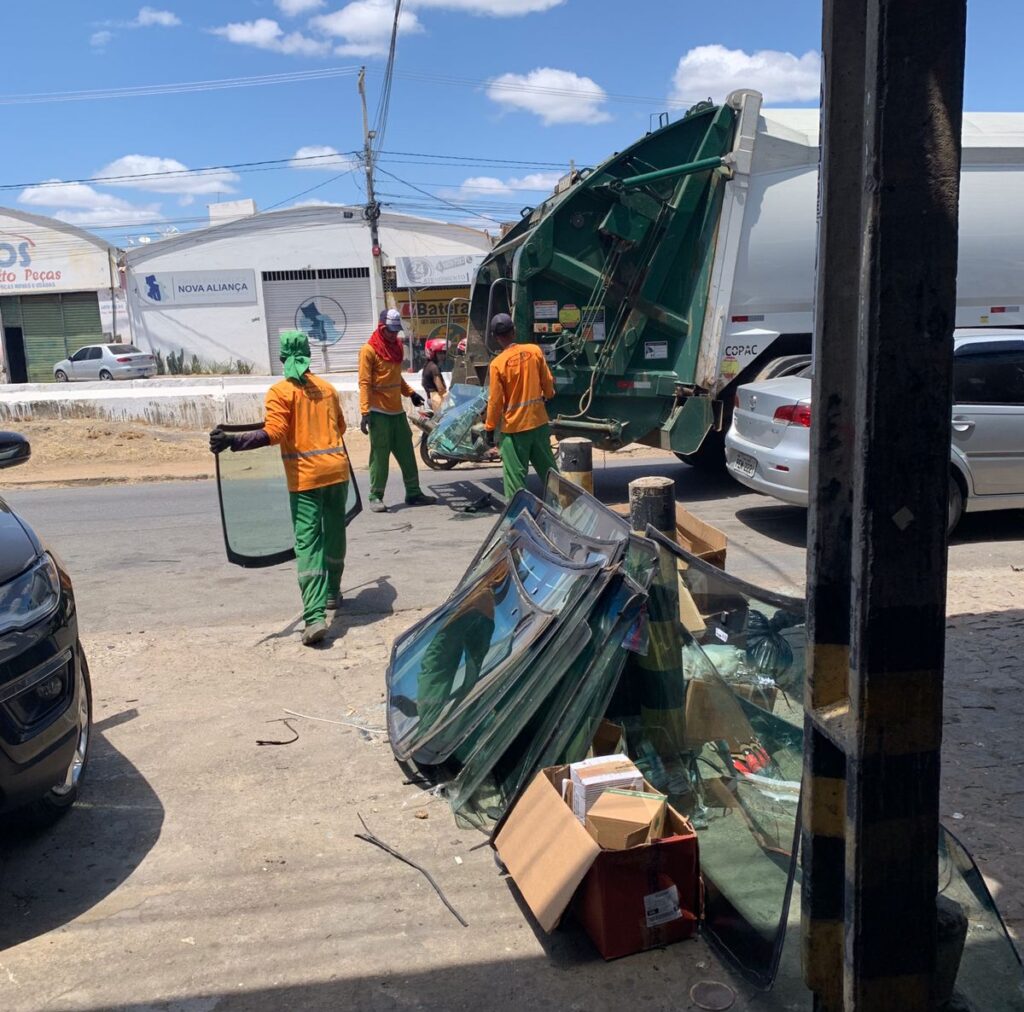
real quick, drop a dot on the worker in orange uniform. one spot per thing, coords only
(381, 389)
(520, 382)
(304, 418)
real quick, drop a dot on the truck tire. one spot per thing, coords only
(709, 456)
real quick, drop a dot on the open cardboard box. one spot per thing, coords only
(627, 900)
(695, 535)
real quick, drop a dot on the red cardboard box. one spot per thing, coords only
(626, 900)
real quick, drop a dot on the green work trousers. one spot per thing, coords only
(390, 434)
(521, 449)
(318, 518)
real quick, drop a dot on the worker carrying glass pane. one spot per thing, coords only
(520, 382)
(303, 416)
(381, 389)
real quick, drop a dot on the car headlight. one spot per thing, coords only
(30, 597)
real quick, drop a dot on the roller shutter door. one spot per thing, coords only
(82, 323)
(56, 326)
(333, 306)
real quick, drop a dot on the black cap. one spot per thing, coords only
(501, 323)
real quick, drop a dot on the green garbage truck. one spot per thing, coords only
(679, 269)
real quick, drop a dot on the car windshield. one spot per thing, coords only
(458, 426)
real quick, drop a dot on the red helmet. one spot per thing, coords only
(436, 346)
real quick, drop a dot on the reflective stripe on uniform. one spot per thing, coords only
(311, 453)
(522, 404)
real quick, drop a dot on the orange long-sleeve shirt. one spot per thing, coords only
(306, 421)
(520, 383)
(381, 386)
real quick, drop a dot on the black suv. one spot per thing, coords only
(45, 695)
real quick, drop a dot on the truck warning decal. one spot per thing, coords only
(655, 349)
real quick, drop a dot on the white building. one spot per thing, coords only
(58, 289)
(225, 293)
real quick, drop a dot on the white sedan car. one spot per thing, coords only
(767, 447)
(105, 362)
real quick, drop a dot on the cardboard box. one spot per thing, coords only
(695, 535)
(592, 777)
(609, 739)
(626, 900)
(619, 820)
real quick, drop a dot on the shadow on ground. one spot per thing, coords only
(49, 877)
(780, 522)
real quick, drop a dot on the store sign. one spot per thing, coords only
(426, 272)
(196, 288)
(428, 318)
(36, 259)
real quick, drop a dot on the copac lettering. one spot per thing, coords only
(734, 350)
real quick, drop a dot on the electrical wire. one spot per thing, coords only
(434, 196)
(182, 87)
(384, 102)
(135, 177)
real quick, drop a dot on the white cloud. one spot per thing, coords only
(149, 17)
(495, 8)
(321, 156)
(80, 204)
(557, 96)
(715, 71)
(489, 186)
(364, 26)
(98, 40)
(292, 8)
(265, 33)
(219, 181)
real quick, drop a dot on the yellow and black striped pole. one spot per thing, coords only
(652, 501)
(576, 461)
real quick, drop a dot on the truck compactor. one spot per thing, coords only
(683, 267)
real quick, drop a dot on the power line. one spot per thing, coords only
(183, 173)
(149, 90)
(434, 196)
(384, 102)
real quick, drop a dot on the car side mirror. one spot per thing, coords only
(14, 449)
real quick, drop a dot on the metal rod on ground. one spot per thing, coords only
(652, 503)
(576, 461)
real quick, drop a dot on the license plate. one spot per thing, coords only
(745, 465)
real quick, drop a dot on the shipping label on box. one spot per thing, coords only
(662, 907)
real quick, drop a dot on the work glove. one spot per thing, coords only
(489, 436)
(364, 425)
(220, 440)
(417, 400)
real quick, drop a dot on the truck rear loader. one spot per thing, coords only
(683, 267)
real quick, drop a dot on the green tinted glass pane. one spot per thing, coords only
(581, 511)
(989, 975)
(255, 508)
(462, 413)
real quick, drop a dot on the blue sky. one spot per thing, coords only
(490, 101)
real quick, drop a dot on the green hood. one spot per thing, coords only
(295, 355)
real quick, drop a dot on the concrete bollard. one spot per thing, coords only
(576, 461)
(662, 702)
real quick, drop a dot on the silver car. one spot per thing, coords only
(767, 448)
(105, 362)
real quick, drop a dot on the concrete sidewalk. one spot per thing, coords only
(190, 402)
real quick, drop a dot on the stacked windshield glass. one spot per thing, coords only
(565, 618)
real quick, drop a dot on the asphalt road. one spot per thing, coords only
(152, 555)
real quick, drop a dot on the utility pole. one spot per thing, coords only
(372, 210)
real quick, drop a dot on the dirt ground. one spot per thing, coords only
(94, 452)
